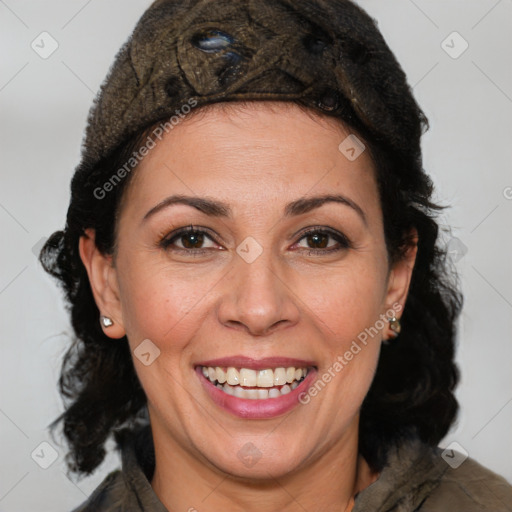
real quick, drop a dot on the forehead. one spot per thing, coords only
(258, 152)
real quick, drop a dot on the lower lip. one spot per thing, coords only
(256, 409)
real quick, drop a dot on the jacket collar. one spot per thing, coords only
(138, 462)
(412, 472)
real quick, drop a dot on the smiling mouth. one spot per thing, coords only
(255, 384)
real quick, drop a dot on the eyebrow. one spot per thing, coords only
(214, 208)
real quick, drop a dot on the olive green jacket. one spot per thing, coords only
(417, 478)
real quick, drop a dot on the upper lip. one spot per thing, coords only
(239, 361)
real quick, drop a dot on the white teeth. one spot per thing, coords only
(247, 377)
(239, 392)
(279, 376)
(232, 377)
(262, 394)
(274, 393)
(252, 394)
(255, 384)
(228, 389)
(265, 379)
(221, 375)
(285, 389)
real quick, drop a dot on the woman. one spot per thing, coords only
(263, 318)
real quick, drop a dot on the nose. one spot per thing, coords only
(256, 297)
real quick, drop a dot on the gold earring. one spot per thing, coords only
(394, 324)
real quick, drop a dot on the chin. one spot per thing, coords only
(251, 463)
(255, 456)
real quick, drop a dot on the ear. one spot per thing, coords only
(103, 279)
(399, 282)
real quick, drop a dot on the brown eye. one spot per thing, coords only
(192, 239)
(318, 241)
(189, 239)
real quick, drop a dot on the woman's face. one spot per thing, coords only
(273, 278)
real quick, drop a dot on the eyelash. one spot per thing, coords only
(166, 242)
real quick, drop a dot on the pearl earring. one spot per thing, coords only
(106, 321)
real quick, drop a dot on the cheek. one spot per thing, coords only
(160, 304)
(346, 309)
(347, 316)
(346, 301)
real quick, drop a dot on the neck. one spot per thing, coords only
(328, 481)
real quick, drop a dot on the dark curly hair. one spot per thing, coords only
(412, 393)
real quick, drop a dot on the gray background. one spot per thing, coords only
(44, 104)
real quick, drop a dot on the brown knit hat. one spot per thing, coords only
(326, 54)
